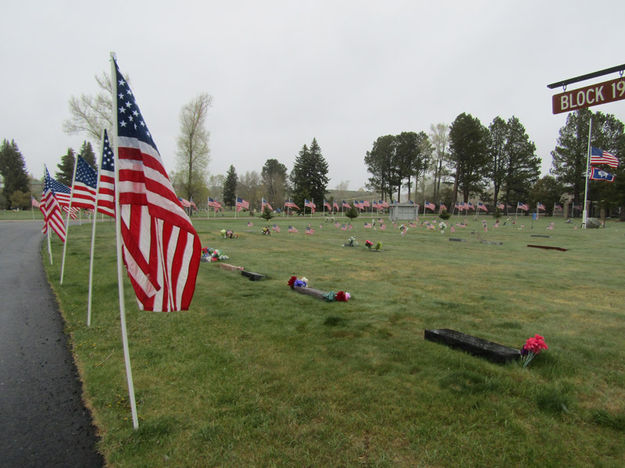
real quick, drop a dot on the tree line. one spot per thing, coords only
(449, 164)
(497, 164)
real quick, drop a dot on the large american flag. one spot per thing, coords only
(264, 203)
(161, 248)
(84, 188)
(522, 206)
(52, 216)
(106, 185)
(242, 204)
(310, 204)
(598, 156)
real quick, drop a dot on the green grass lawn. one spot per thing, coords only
(255, 374)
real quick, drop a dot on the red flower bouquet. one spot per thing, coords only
(532, 347)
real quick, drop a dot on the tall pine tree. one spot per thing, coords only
(230, 187)
(468, 146)
(86, 152)
(65, 173)
(13, 170)
(309, 176)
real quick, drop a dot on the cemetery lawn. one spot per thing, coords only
(255, 374)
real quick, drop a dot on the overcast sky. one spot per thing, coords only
(284, 72)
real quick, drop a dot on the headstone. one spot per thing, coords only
(456, 239)
(252, 276)
(547, 247)
(491, 242)
(593, 223)
(477, 346)
(540, 235)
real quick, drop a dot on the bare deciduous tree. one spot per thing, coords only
(193, 150)
(91, 114)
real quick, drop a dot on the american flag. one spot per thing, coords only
(345, 204)
(540, 206)
(264, 203)
(335, 206)
(106, 185)
(289, 204)
(429, 206)
(522, 206)
(84, 188)
(275, 228)
(598, 156)
(367, 225)
(214, 204)
(52, 216)
(309, 230)
(160, 246)
(442, 207)
(343, 227)
(557, 207)
(500, 206)
(482, 206)
(34, 203)
(185, 203)
(62, 192)
(365, 203)
(310, 204)
(327, 205)
(459, 206)
(469, 206)
(292, 229)
(242, 204)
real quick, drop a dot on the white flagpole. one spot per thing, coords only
(120, 281)
(95, 216)
(71, 196)
(585, 212)
(49, 249)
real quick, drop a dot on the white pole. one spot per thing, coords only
(120, 282)
(49, 249)
(585, 212)
(95, 216)
(67, 220)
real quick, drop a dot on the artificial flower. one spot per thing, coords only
(532, 347)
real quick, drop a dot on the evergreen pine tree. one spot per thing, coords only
(310, 175)
(13, 170)
(66, 168)
(86, 152)
(230, 187)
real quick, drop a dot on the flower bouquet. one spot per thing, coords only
(532, 347)
(301, 286)
(351, 242)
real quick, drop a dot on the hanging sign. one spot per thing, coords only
(600, 93)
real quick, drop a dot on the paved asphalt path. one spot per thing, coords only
(43, 422)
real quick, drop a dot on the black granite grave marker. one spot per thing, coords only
(477, 346)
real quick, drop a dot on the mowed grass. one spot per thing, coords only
(255, 374)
